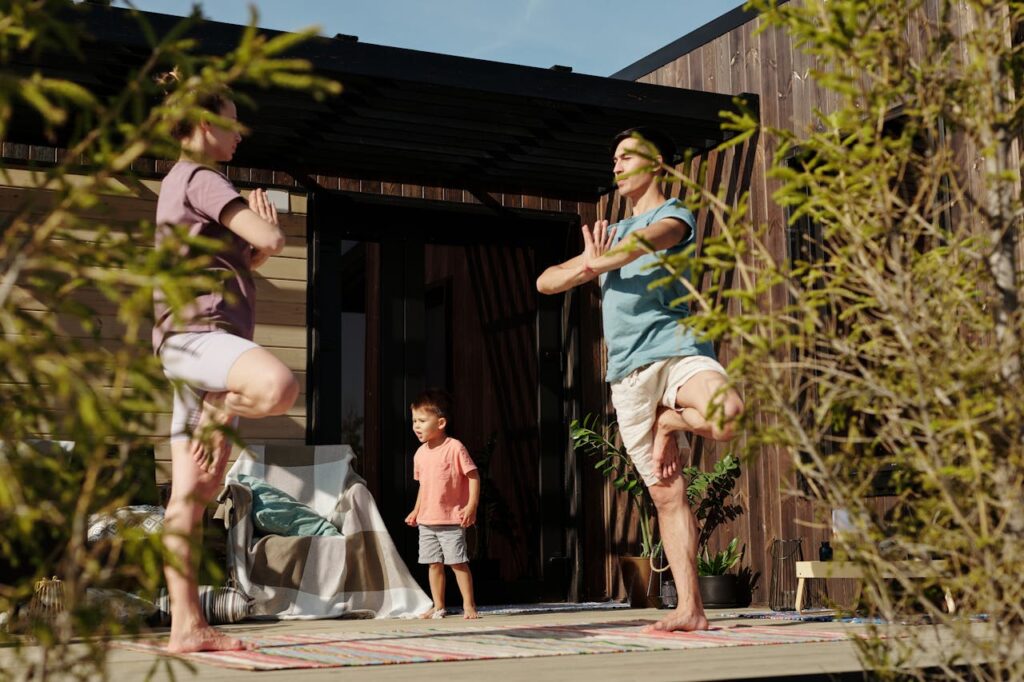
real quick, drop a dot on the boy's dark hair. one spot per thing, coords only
(662, 142)
(435, 401)
(211, 101)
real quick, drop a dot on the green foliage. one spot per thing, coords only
(614, 463)
(76, 288)
(719, 563)
(891, 340)
(708, 492)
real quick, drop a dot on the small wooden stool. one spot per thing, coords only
(848, 569)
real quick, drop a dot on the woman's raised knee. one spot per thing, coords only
(291, 394)
(266, 385)
(280, 390)
(269, 391)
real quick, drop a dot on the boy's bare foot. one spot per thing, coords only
(434, 612)
(208, 446)
(469, 613)
(686, 621)
(204, 639)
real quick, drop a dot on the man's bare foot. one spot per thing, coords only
(684, 621)
(204, 639)
(469, 613)
(208, 446)
(434, 612)
(666, 447)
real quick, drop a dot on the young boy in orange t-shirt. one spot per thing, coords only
(446, 503)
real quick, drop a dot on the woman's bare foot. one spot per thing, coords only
(208, 446)
(686, 621)
(434, 612)
(469, 613)
(204, 639)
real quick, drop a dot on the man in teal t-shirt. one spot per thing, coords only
(663, 380)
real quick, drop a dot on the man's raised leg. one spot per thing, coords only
(708, 406)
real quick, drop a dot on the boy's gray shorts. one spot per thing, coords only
(443, 544)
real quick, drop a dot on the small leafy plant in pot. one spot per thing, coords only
(718, 588)
(710, 496)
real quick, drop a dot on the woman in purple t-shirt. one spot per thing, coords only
(207, 349)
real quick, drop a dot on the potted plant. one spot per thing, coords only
(710, 495)
(718, 588)
(614, 463)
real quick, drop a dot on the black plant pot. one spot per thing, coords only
(718, 591)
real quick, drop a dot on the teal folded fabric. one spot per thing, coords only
(275, 512)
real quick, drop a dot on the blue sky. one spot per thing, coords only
(593, 36)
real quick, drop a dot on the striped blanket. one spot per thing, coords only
(357, 574)
(432, 643)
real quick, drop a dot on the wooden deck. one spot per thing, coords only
(827, 660)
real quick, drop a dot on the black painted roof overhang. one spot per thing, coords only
(419, 117)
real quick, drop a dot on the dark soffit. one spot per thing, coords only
(414, 117)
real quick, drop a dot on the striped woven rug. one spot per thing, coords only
(433, 643)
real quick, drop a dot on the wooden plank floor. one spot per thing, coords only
(725, 663)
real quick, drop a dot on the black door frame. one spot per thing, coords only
(403, 226)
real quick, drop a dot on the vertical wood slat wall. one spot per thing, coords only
(769, 65)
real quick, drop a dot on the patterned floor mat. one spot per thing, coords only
(482, 642)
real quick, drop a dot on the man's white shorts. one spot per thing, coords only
(636, 399)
